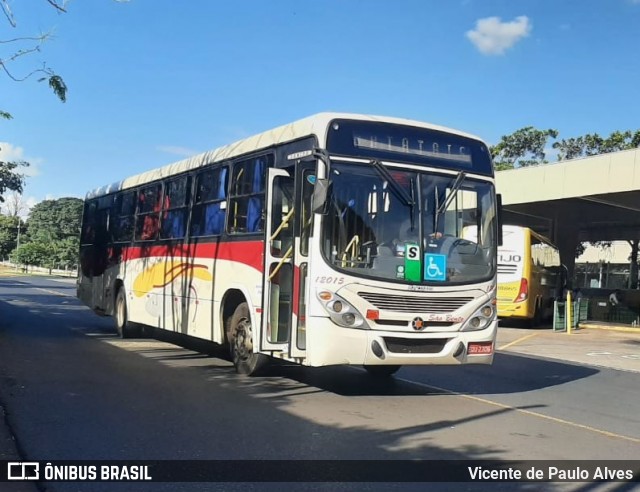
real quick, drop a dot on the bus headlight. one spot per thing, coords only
(341, 312)
(480, 319)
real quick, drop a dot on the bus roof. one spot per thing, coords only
(317, 125)
(522, 229)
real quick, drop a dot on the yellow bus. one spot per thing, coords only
(530, 275)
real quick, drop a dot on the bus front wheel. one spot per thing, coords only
(240, 336)
(125, 328)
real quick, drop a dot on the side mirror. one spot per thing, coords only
(321, 196)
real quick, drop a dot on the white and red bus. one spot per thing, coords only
(336, 239)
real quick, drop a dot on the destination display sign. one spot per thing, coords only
(404, 143)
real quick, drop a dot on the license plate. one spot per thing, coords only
(480, 348)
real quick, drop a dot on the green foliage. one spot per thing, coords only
(9, 234)
(10, 178)
(65, 252)
(54, 220)
(26, 45)
(57, 84)
(59, 87)
(33, 253)
(593, 144)
(53, 234)
(524, 147)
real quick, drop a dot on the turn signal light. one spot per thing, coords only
(373, 314)
(325, 295)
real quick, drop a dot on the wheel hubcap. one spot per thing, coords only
(243, 342)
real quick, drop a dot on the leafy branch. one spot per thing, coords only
(45, 73)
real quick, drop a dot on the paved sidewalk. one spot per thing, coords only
(602, 346)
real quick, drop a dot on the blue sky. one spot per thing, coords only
(152, 81)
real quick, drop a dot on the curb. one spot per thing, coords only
(618, 328)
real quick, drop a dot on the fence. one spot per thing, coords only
(579, 314)
(40, 270)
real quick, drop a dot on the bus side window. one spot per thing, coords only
(246, 212)
(122, 217)
(175, 208)
(88, 227)
(210, 202)
(149, 205)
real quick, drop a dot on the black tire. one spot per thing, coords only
(240, 336)
(124, 327)
(382, 371)
(537, 316)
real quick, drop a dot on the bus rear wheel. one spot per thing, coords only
(240, 335)
(382, 371)
(536, 321)
(124, 327)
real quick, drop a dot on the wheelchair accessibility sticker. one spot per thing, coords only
(435, 267)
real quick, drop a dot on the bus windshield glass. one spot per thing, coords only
(403, 143)
(446, 236)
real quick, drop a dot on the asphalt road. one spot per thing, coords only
(72, 390)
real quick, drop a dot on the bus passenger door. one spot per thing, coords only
(289, 225)
(305, 182)
(277, 287)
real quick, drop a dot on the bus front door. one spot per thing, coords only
(284, 293)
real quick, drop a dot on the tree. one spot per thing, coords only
(65, 253)
(9, 234)
(54, 220)
(35, 254)
(11, 178)
(593, 144)
(524, 147)
(28, 45)
(54, 228)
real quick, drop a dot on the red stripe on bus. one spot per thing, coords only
(245, 252)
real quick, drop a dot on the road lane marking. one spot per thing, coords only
(54, 292)
(557, 420)
(484, 400)
(521, 339)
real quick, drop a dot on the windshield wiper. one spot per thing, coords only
(408, 200)
(457, 184)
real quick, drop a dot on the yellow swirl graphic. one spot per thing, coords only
(165, 272)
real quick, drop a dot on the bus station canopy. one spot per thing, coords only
(589, 199)
(597, 197)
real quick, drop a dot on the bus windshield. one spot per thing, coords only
(446, 233)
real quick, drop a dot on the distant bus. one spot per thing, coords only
(336, 239)
(530, 275)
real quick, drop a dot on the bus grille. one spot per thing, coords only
(415, 346)
(413, 304)
(502, 268)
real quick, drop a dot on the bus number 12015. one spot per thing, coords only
(330, 280)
